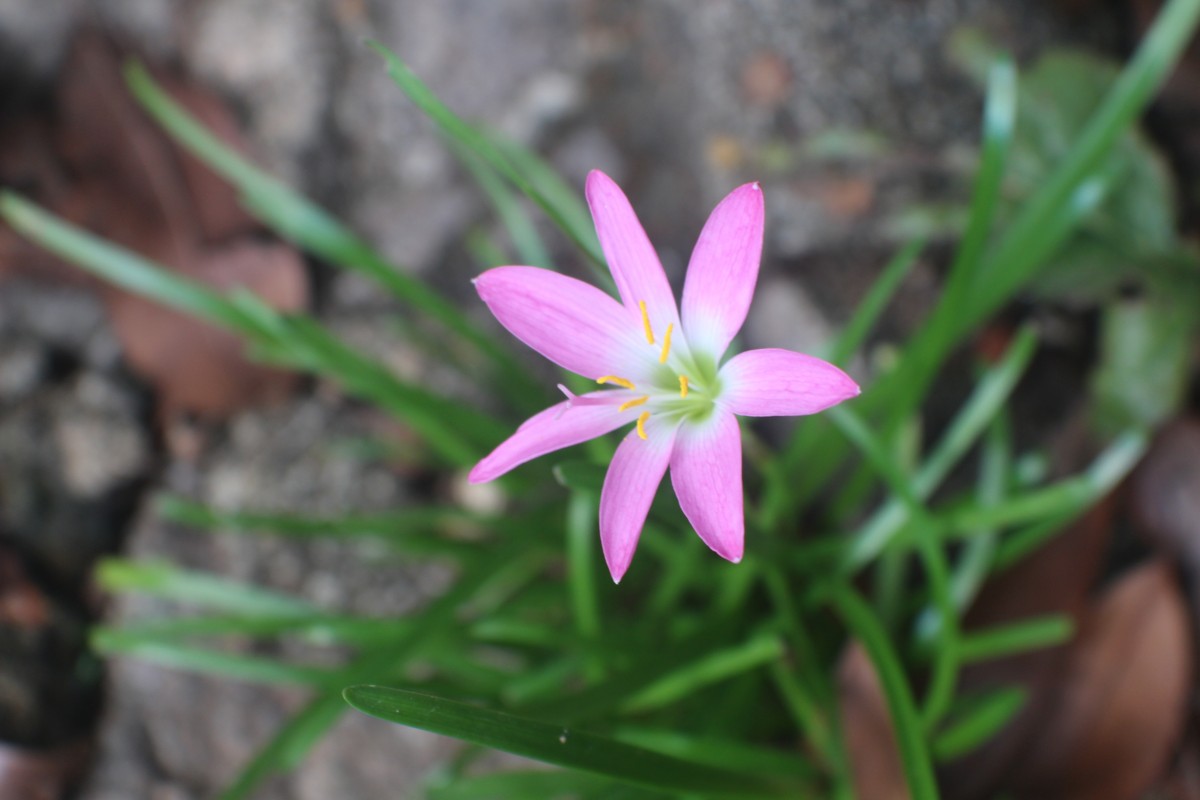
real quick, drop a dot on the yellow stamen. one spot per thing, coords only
(662, 359)
(628, 384)
(683, 387)
(637, 401)
(642, 424)
(646, 322)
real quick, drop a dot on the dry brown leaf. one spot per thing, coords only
(1122, 700)
(112, 171)
(135, 191)
(876, 769)
(766, 79)
(194, 366)
(219, 212)
(1054, 580)
(1165, 492)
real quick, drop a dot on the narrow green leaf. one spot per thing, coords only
(873, 304)
(712, 668)
(980, 723)
(405, 522)
(1065, 498)
(731, 753)
(1017, 637)
(557, 745)
(521, 230)
(581, 563)
(205, 590)
(202, 659)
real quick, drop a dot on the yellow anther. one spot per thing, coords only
(625, 382)
(683, 386)
(662, 359)
(645, 415)
(637, 401)
(646, 322)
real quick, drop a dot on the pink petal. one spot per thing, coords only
(572, 323)
(633, 477)
(559, 426)
(631, 257)
(706, 471)
(723, 270)
(782, 383)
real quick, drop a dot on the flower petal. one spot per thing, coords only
(631, 257)
(706, 471)
(782, 383)
(723, 271)
(633, 477)
(559, 426)
(572, 323)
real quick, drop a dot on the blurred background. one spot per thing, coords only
(860, 117)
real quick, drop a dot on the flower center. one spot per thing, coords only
(671, 391)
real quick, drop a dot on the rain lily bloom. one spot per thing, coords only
(660, 368)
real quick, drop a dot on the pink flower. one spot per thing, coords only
(661, 368)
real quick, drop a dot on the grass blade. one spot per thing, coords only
(557, 745)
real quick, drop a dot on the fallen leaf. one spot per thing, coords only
(1165, 492)
(847, 197)
(1055, 579)
(219, 212)
(108, 168)
(766, 79)
(195, 367)
(1122, 700)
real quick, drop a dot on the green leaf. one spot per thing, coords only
(714, 667)
(557, 745)
(978, 722)
(408, 522)
(1017, 637)
(203, 659)
(205, 590)
(521, 230)
(1145, 353)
